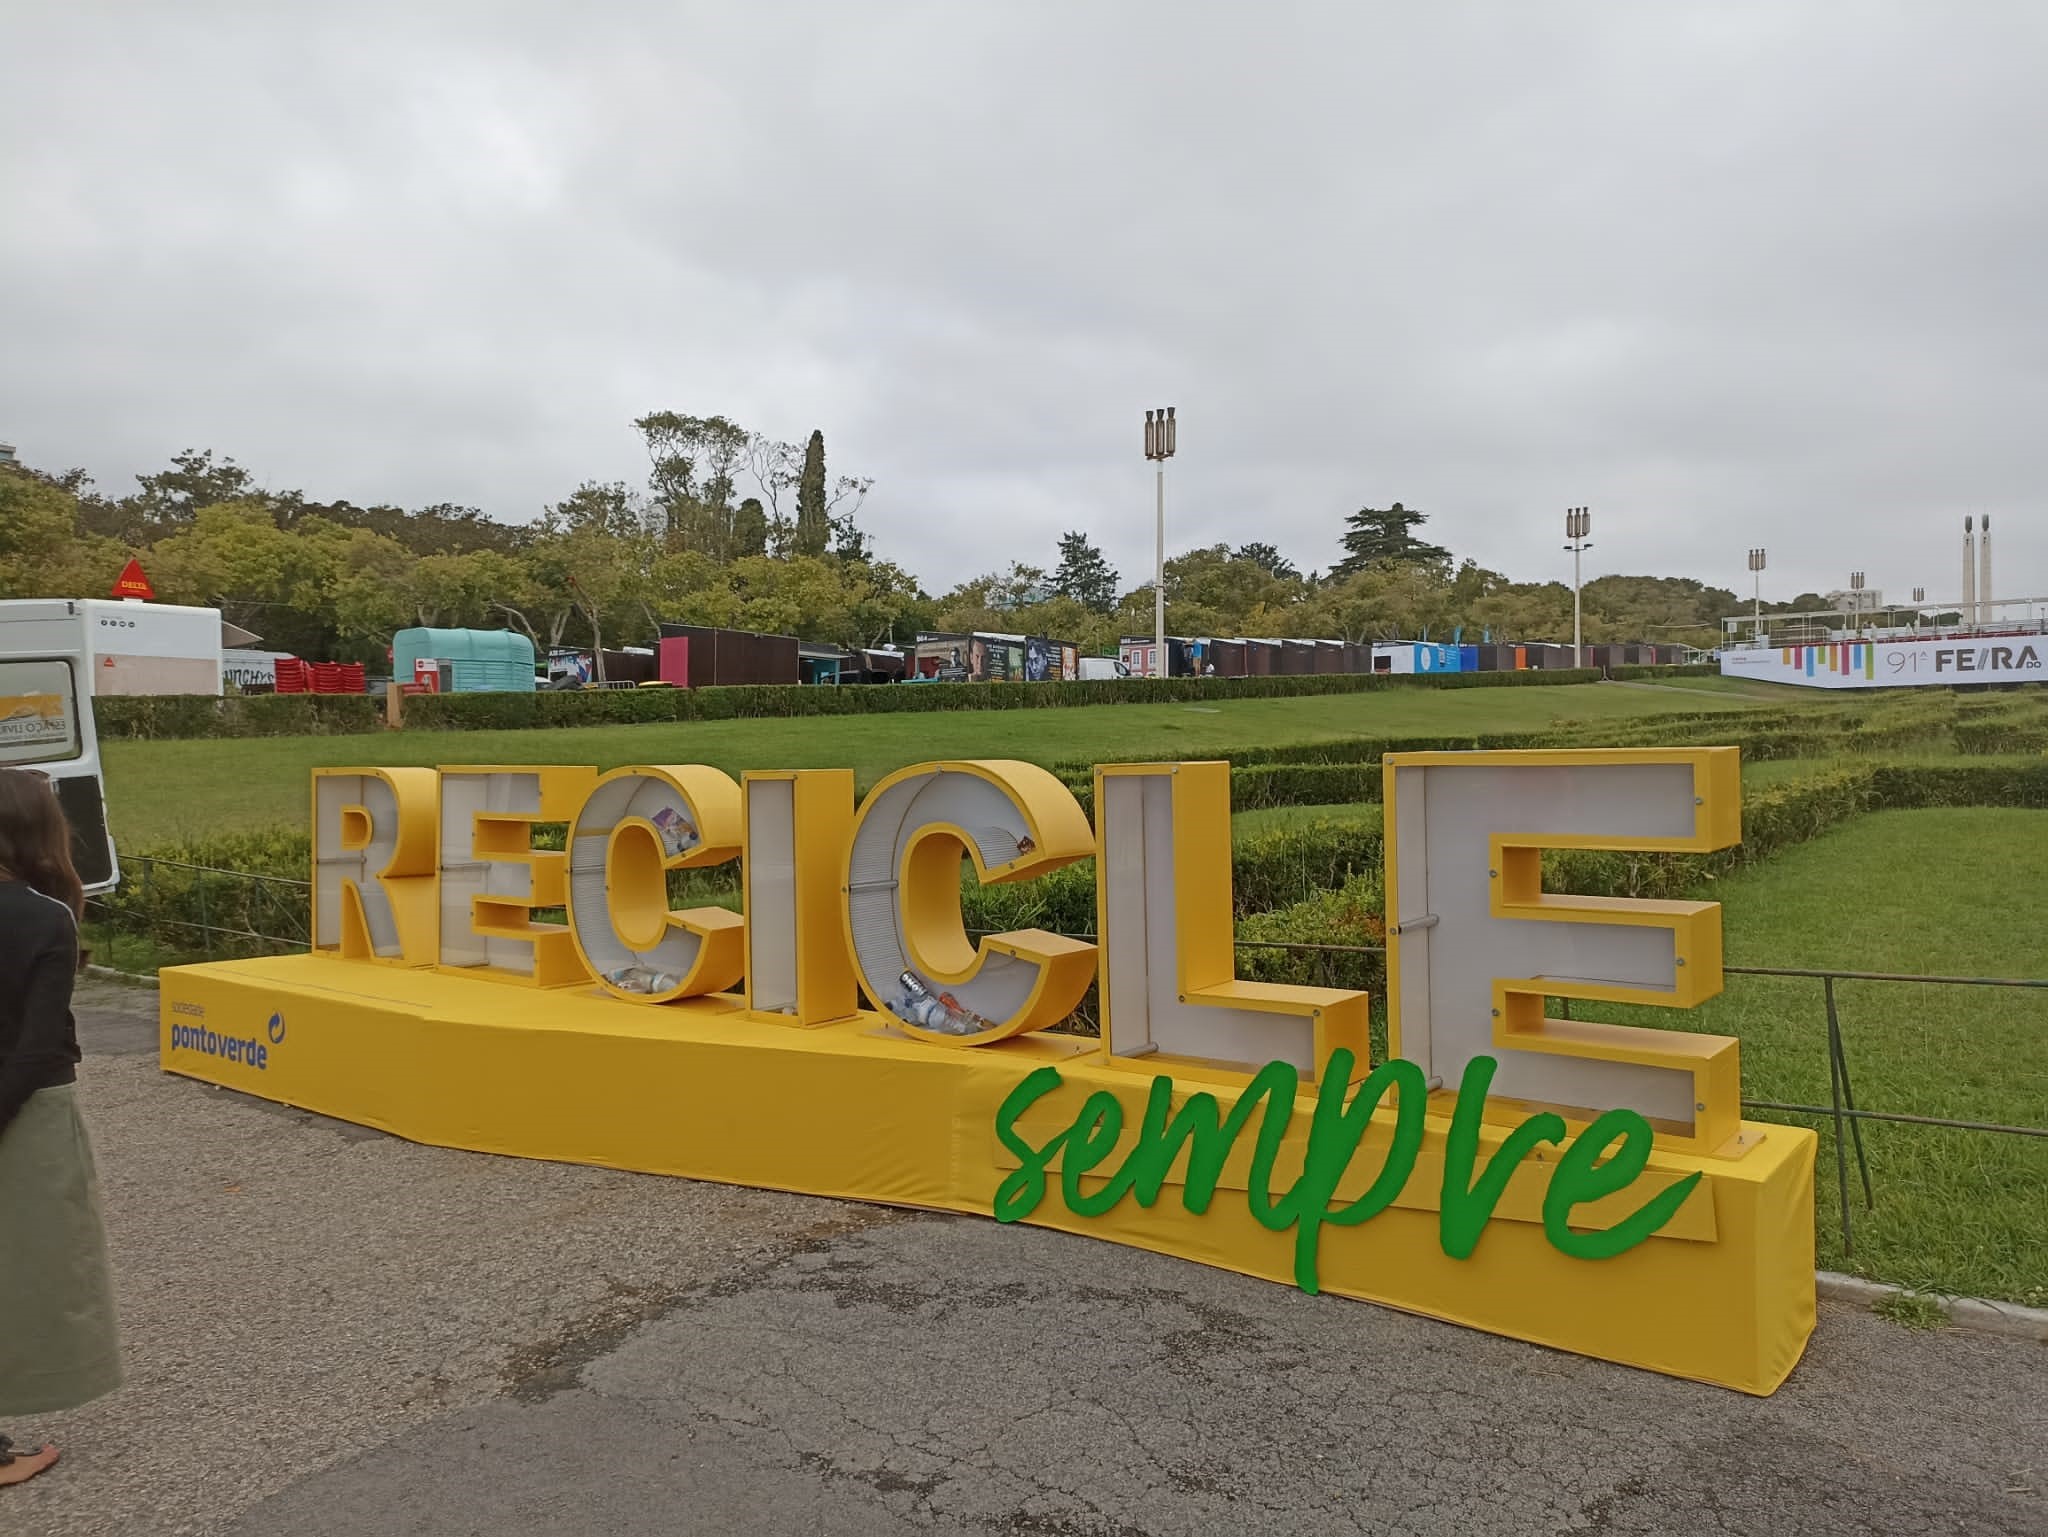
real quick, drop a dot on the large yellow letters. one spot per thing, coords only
(1225, 1120)
(1476, 944)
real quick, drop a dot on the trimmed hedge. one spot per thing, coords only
(176, 891)
(1353, 913)
(1262, 786)
(2001, 734)
(1350, 916)
(1915, 787)
(2009, 699)
(1348, 769)
(1774, 819)
(1270, 871)
(319, 714)
(1676, 670)
(1778, 816)
(1303, 784)
(766, 701)
(1664, 729)
(158, 716)
(250, 715)
(1299, 881)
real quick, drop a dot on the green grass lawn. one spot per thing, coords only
(174, 789)
(1953, 892)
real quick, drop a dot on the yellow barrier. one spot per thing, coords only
(1689, 1251)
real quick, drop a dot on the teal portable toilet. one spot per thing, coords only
(473, 661)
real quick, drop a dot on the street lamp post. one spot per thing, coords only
(1856, 598)
(1159, 445)
(1756, 567)
(1578, 522)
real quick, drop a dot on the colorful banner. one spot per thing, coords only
(1893, 664)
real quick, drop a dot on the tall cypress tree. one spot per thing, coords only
(1084, 575)
(1374, 534)
(750, 528)
(813, 517)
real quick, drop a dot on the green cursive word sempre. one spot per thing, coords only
(1602, 1159)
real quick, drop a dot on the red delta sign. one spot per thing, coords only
(131, 583)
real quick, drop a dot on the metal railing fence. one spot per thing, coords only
(187, 909)
(226, 913)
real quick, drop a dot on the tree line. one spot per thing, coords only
(1388, 583)
(731, 528)
(736, 528)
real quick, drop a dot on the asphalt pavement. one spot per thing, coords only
(337, 1334)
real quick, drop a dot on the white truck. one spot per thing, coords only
(148, 648)
(1096, 668)
(47, 667)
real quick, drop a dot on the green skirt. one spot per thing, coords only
(59, 1343)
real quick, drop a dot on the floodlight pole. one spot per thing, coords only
(1160, 433)
(1756, 570)
(1578, 522)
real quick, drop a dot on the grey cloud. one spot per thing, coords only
(1730, 274)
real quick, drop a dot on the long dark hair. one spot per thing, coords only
(35, 840)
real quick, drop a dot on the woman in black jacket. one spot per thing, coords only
(58, 1344)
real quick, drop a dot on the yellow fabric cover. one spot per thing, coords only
(1724, 1294)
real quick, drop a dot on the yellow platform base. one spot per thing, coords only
(1724, 1294)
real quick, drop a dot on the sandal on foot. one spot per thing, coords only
(18, 1466)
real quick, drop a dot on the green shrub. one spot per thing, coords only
(1898, 786)
(1703, 728)
(319, 714)
(1773, 819)
(1063, 902)
(234, 715)
(242, 893)
(2001, 734)
(1267, 872)
(1348, 918)
(2012, 700)
(1303, 784)
(1674, 670)
(1292, 863)
(1318, 883)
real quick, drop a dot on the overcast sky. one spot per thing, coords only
(1730, 275)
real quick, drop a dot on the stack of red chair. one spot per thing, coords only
(337, 678)
(291, 676)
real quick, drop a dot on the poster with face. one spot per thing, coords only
(1036, 660)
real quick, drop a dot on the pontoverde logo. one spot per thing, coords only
(246, 1050)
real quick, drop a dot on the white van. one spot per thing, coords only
(46, 721)
(1096, 668)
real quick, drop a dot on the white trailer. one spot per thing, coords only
(46, 671)
(151, 648)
